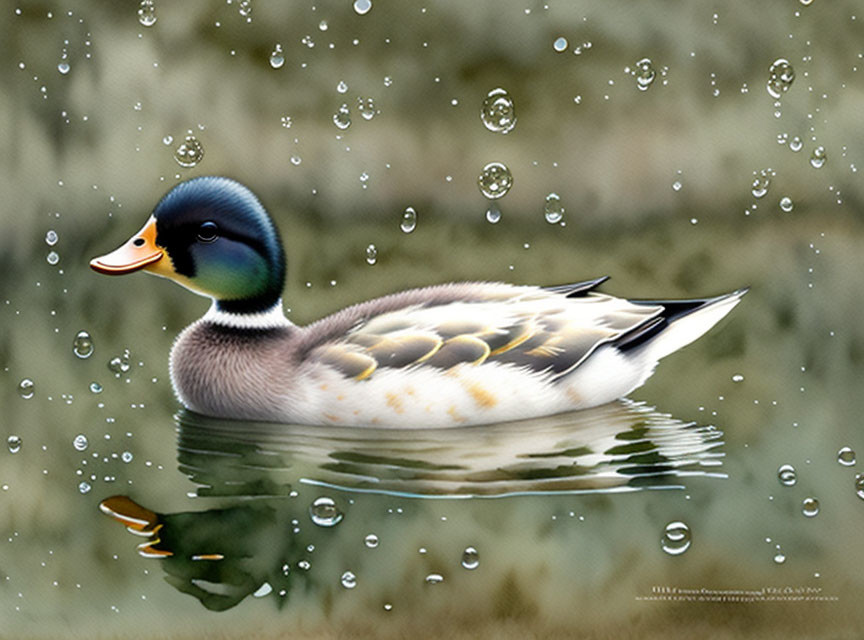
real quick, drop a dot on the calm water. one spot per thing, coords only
(719, 501)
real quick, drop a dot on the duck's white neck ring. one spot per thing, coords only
(272, 318)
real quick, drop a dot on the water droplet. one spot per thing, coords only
(53, 257)
(495, 181)
(277, 58)
(737, 378)
(780, 77)
(84, 487)
(846, 457)
(552, 209)
(818, 157)
(366, 107)
(761, 182)
(264, 590)
(796, 144)
(810, 507)
(676, 186)
(119, 364)
(126, 457)
(63, 68)
(80, 442)
(51, 238)
(166, 140)
(859, 485)
(371, 541)
(14, 444)
(493, 215)
(95, 387)
(322, 26)
(560, 44)
(787, 475)
(296, 160)
(305, 565)
(82, 345)
(786, 204)
(676, 538)
(342, 118)
(147, 13)
(409, 220)
(348, 580)
(498, 112)
(245, 9)
(645, 74)
(286, 122)
(434, 578)
(324, 512)
(470, 558)
(371, 254)
(189, 153)
(779, 558)
(342, 87)
(362, 7)
(26, 388)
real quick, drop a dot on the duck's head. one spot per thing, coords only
(212, 236)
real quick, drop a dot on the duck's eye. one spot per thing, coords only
(208, 231)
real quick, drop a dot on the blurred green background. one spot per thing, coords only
(657, 187)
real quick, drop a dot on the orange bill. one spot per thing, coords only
(137, 253)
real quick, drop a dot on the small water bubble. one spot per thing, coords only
(245, 9)
(189, 153)
(342, 87)
(366, 107)
(371, 541)
(818, 157)
(119, 364)
(470, 558)
(859, 485)
(787, 475)
(780, 77)
(371, 254)
(493, 215)
(810, 507)
(84, 487)
(287, 122)
(553, 211)
(786, 204)
(166, 140)
(676, 538)
(796, 143)
(846, 457)
(52, 258)
(277, 58)
(342, 117)
(409, 220)
(560, 44)
(14, 444)
(348, 580)
(26, 388)
(82, 345)
(147, 13)
(63, 67)
(324, 512)
(761, 182)
(295, 160)
(80, 442)
(51, 238)
(362, 7)
(434, 578)
(305, 565)
(95, 387)
(322, 26)
(779, 558)
(498, 112)
(645, 74)
(126, 457)
(676, 186)
(495, 180)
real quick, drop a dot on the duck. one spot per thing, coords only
(455, 354)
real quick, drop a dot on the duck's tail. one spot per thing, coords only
(680, 323)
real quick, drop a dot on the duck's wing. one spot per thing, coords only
(547, 331)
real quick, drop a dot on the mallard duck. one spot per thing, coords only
(445, 355)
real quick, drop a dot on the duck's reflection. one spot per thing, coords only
(222, 555)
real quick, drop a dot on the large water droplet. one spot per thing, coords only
(189, 153)
(51, 238)
(761, 182)
(495, 180)
(498, 112)
(52, 258)
(82, 345)
(470, 558)
(362, 7)
(348, 580)
(26, 388)
(14, 444)
(818, 157)
(84, 487)
(371, 254)
(645, 74)
(780, 77)
(371, 541)
(553, 210)
(63, 67)
(80, 442)
(796, 144)
(846, 457)
(342, 118)
(787, 475)
(147, 13)
(493, 215)
(786, 204)
(434, 578)
(277, 58)
(409, 220)
(366, 107)
(324, 512)
(810, 507)
(676, 538)
(560, 44)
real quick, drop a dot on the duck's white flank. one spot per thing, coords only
(272, 318)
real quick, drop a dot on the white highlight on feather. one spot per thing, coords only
(272, 318)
